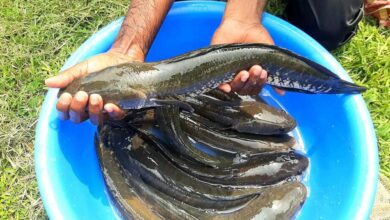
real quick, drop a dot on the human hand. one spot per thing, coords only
(74, 108)
(246, 82)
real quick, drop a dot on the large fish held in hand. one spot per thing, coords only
(136, 85)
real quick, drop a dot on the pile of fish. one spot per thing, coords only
(186, 150)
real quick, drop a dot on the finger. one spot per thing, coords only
(279, 91)
(239, 81)
(114, 111)
(225, 87)
(261, 82)
(95, 108)
(253, 82)
(67, 76)
(63, 105)
(77, 107)
(263, 77)
(255, 72)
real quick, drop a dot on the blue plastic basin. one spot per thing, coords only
(335, 131)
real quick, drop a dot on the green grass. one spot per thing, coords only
(37, 36)
(367, 59)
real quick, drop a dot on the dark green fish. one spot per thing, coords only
(221, 95)
(203, 131)
(135, 155)
(243, 116)
(233, 96)
(137, 85)
(136, 199)
(160, 181)
(169, 124)
(132, 198)
(262, 169)
(157, 164)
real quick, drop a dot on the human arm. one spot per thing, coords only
(241, 23)
(135, 37)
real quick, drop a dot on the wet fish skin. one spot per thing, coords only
(171, 209)
(169, 123)
(157, 164)
(277, 203)
(202, 130)
(233, 97)
(290, 195)
(134, 155)
(223, 96)
(263, 169)
(136, 85)
(132, 198)
(135, 117)
(243, 116)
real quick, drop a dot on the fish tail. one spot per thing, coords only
(347, 88)
(342, 85)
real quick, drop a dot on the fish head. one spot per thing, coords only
(117, 84)
(274, 121)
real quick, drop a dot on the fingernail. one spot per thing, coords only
(257, 71)
(108, 109)
(227, 89)
(94, 99)
(263, 74)
(74, 116)
(80, 96)
(47, 81)
(244, 78)
(65, 101)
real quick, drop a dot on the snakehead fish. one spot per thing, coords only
(203, 130)
(243, 116)
(169, 124)
(264, 169)
(135, 85)
(137, 198)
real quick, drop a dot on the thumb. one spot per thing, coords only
(65, 77)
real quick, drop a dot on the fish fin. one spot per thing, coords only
(175, 102)
(293, 89)
(348, 88)
(311, 63)
(195, 53)
(341, 86)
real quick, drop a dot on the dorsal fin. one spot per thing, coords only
(212, 48)
(194, 53)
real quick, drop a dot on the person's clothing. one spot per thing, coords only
(330, 22)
